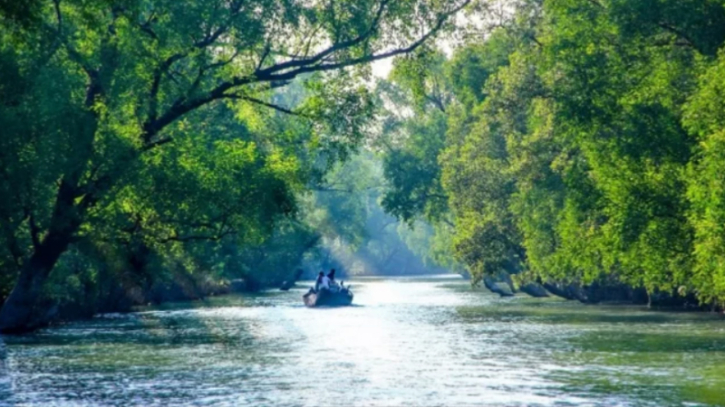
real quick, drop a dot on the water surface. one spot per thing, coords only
(407, 342)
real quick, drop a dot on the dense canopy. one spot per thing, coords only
(150, 146)
(132, 125)
(578, 144)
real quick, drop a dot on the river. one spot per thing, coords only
(406, 342)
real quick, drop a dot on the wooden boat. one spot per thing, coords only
(328, 298)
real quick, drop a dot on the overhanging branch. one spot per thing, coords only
(289, 70)
(267, 104)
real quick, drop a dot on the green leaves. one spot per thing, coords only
(706, 190)
(158, 123)
(581, 143)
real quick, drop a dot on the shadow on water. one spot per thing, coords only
(332, 307)
(619, 341)
(556, 311)
(151, 356)
(621, 349)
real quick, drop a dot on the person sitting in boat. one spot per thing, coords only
(322, 282)
(333, 285)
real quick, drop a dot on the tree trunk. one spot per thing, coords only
(21, 311)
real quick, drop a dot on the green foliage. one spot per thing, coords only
(151, 125)
(413, 171)
(442, 93)
(704, 118)
(581, 144)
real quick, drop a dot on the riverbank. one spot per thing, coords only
(602, 291)
(114, 295)
(120, 297)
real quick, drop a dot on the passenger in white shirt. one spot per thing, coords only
(324, 281)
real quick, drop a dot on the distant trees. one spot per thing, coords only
(356, 235)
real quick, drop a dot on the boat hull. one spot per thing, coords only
(328, 298)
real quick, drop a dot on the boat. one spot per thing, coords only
(328, 298)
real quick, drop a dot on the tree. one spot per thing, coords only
(703, 117)
(100, 87)
(590, 151)
(427, 165)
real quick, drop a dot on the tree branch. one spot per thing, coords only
(333, 48)
(58, 16)
(34, 230)
(153, 144)
(265, 54)
(190, 238)
(300, 66)
(437, 102)
(209, 39)
(681, 35)
(266, 104)
(156, 83)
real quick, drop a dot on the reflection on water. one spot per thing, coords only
(412, 342)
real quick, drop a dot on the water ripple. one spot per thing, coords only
(407, 343)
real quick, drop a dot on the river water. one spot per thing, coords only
(406, 342)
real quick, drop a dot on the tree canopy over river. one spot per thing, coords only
(183, 137)
(154, 150)
(157, 153)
